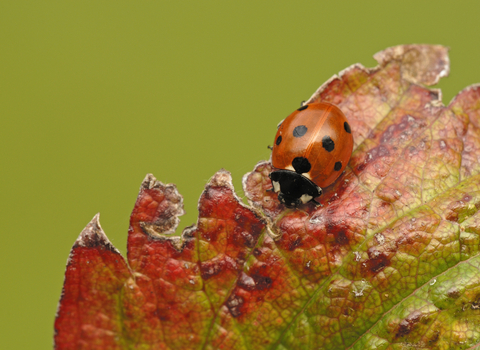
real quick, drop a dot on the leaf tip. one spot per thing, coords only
(170, 193)
(222, 178)
(93, 236)
(150, 182)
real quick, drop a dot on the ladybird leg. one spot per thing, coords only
(270, 148)
(271, 189)
(315, 202)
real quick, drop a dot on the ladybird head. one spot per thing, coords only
(293, 188)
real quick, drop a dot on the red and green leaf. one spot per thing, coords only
(389, 259)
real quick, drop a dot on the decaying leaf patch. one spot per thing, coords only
(390, 257)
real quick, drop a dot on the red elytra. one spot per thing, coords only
(315, 142)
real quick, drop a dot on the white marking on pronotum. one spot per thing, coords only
(307, 175)
(276, 186)
(305, 198)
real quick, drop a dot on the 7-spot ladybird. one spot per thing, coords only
(312, 147)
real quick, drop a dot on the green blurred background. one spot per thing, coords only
(96, 94)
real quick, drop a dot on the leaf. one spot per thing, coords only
(388, 260)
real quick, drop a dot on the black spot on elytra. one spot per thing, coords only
(328, 143)
(347, 127)
(338, 166)
(406, 326)
(301, 165)
(279, 140)
(302, 108)
(300, 130)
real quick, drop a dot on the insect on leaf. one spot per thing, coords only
(388, 260)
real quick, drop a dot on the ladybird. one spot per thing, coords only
(311, 149)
